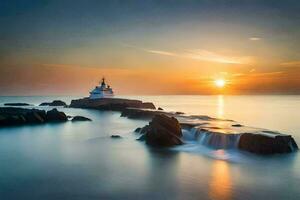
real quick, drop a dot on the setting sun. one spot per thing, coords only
(220, 83)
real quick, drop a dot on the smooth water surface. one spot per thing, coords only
(80, 160)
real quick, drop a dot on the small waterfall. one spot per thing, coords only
(212, 139)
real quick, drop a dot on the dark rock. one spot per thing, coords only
(115, 136)
(10, 116)
(163, 131)
(114, 104)
(80, 118)
(17, 104)
(264, 144)
(142, 138)
(159, 108)
(54, 103)
(34, 118)
(138, 130)
(55, 116)
(135, 113)
(145, 129)
(179, 113)
(236, 125)
(11, 120)
(142, 130)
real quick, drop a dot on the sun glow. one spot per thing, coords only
(220, 83)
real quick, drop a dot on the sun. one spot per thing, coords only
(220, 83)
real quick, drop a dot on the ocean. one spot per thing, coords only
(81, 161)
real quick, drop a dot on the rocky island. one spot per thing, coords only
(113, 104)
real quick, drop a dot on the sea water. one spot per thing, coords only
(80, 160)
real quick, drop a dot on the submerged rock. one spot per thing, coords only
(80, 118)
(54, 103)
(17, 104)
(267, 144)
(136, 113)
(116, 136)
(163, 131)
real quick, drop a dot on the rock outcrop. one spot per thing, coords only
(113, 104)
(10, 116)
(55, 116)
(134, 113)
(267, 144)
(80, 118)
(162, 131)
(54, 103)
(230, 135)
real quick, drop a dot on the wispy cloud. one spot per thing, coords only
(267, 73)
(255, 38)
(165, 53)
(295, 63)
(199, 54)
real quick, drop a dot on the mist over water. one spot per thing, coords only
(81, 161)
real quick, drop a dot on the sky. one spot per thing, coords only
(149, 47)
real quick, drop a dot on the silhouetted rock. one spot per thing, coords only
(80, 118)
(56, 116)
(267, 144)
(114, 104)
(236, 125)
(159, 108)
(17, 104)
(163, 131)
(54, 103)
(179, 113)
(116, 136)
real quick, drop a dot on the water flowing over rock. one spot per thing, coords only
(163, 131)
(220, 133)
(254, 140)
(214, 139)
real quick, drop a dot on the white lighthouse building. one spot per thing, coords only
(101, 91)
